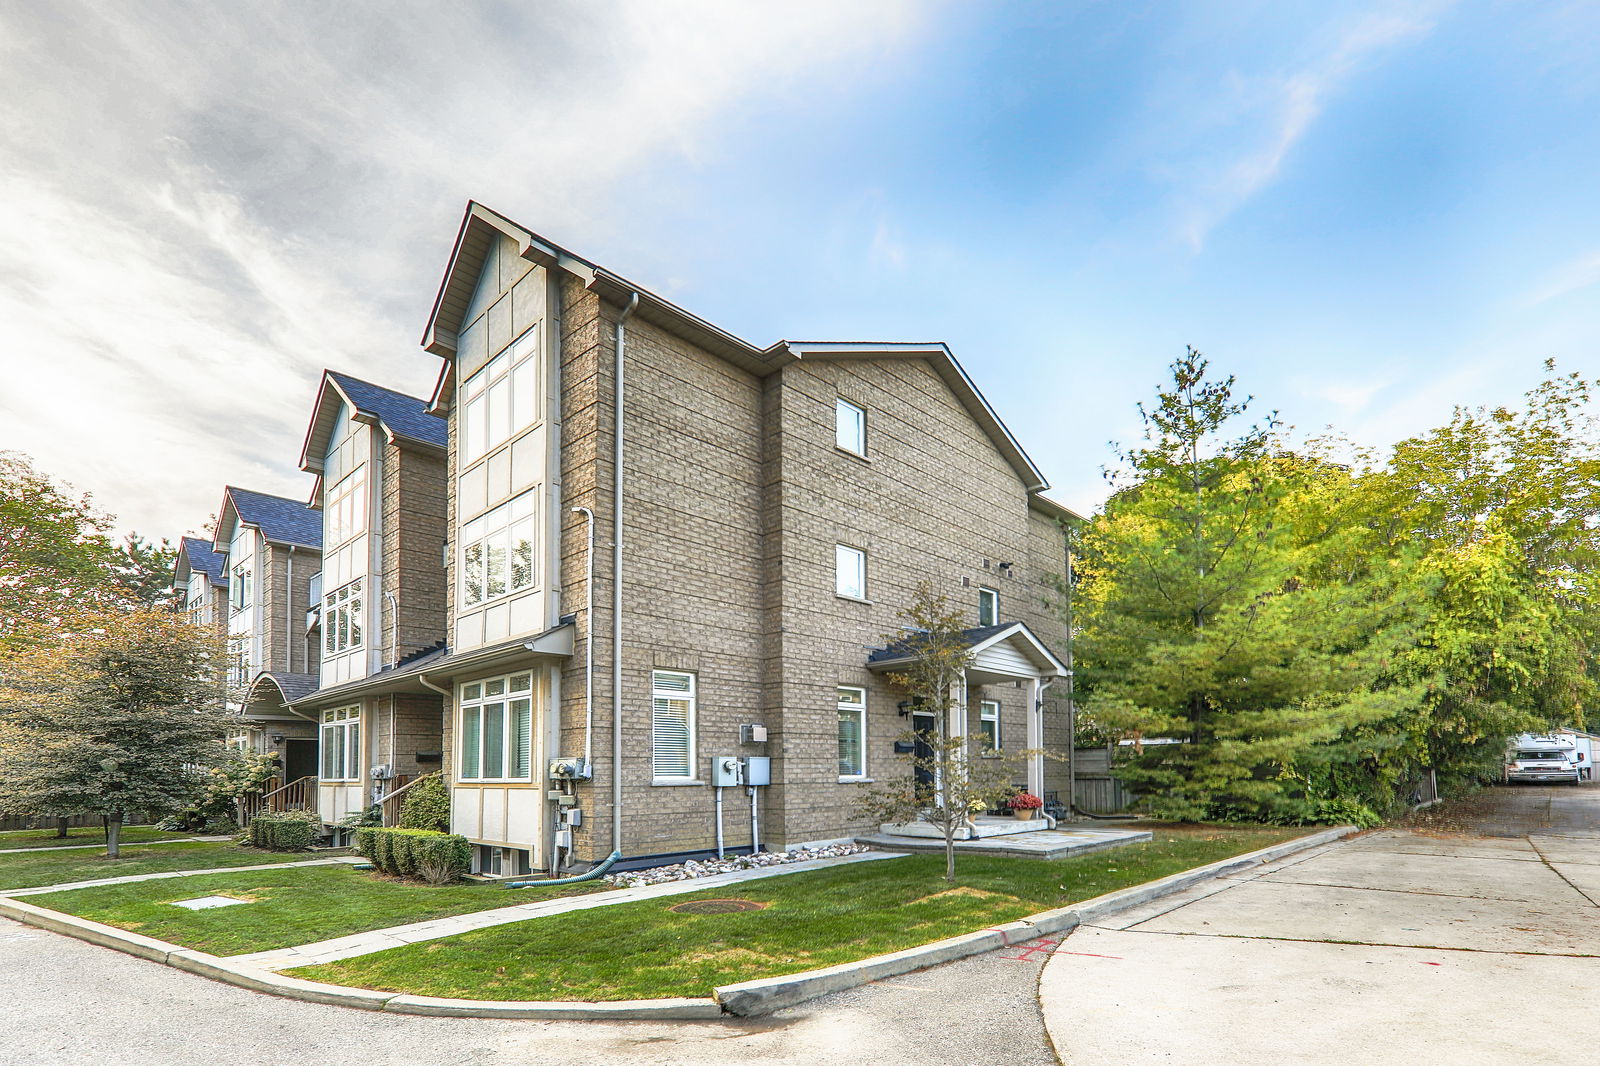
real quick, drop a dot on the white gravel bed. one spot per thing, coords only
(688, 871)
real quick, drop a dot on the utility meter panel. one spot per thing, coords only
(726, 771)
(757, 770)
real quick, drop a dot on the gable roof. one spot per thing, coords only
(976, 639)
(480, 227)
(403, 418)
(200, 556)
(281, 520)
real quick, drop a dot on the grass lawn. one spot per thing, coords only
(643, 950)
(39, 868)
(81, 835)
(292, 906)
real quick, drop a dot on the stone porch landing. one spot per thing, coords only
(1039, 844)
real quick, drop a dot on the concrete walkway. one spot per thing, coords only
(127, 844)
(1046, 844)
(348, 947)
(167, 874)
(1382, 949)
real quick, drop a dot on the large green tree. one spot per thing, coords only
(119, 717)
(1229, 620)
(55, 554)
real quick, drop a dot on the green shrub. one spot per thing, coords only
(431, 856)
(284, 830)
(427, 805)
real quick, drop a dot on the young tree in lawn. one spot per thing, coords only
(119, 718)
(1215, 612)
(933, 677)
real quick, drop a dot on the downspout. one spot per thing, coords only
(588, 642)
(288, 611)
(620, 343)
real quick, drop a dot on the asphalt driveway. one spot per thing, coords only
(1443, 941)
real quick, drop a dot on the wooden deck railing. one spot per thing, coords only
(297, 795)
(391, 802)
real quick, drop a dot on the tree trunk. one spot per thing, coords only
(61, 826)
(949, 850)
(113, 836)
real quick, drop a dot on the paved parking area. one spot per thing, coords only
(1390, 946)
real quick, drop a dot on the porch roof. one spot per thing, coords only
(1030, 654)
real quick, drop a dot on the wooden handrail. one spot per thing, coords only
(391, 804)
(301, 782)
(297, 795)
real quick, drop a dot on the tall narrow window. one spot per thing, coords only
(850, 427)
(341, 744)
(989, 725)
(851, 574)
(501, 400)
(497, 551)
(342, 619)
(988, 607)
(497, 729)
(852, 732)
(672, 699)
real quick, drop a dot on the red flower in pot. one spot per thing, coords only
(1024, 804)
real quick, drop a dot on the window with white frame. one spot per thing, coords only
(989, 725)
(850, 577)
(242, 588)
(988, 607)
(497, 551)
(852, 732)
(672, 706)
(345, 507)
(342, 620)
(497, 728)
(501, 400)
(239, 669)
(850, 427)
(341, 744)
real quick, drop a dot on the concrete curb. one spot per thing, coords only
(748, 998)
(751, 998)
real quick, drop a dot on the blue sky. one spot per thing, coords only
(1368, 212)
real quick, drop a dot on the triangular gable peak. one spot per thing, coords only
(402, 418)
(280, 519)
(196, 555)
(1008, 649)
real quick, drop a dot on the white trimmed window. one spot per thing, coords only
(342, 619)
(496, 735)
(341, 744)
(345, 508)
(852, 732)
(850, 427)
(497, 551)
(672, 707)
(989, 724)
(850, 576)
(988, 607)
(242, 588)
(501, 400)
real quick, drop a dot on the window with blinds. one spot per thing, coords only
(672, 699)
(497, 729)
(341, 744)
(852, 732)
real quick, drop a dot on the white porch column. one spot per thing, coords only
(1035, 739)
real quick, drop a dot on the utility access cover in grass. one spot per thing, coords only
(717, 906)
(206, 903)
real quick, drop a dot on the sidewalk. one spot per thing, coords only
(348, 947)
(131, 878)
(102, 847)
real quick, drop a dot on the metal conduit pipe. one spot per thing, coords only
(620, 342)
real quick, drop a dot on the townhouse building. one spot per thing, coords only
(269, 549)
(664, 547)
(201, 577)
(378, 458)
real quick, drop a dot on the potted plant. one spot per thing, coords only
(1023, 805)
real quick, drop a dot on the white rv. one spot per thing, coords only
(1543, 757)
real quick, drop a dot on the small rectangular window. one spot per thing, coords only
(988, 607)
(851, 576)
(850, 427)
(852, 732)
(989, 725)
(672, 706)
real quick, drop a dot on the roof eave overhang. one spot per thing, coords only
(1054, 508)
(1054, 667)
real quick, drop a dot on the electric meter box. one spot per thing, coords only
(726, 771)
(757, 770)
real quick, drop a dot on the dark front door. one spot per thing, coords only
(925, 732)
(299, 759)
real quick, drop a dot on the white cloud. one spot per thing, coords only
(1572, 276)
(207, 205)
(1278, 110)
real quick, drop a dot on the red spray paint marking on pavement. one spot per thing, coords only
(1092, 955)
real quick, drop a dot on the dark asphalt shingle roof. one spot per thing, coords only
(283, 520)
(293, 686)
(907, 646)
(203, 558)
(406, 416)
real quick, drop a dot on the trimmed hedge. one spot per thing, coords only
(424, 854)
(284, 831)
(427, 805)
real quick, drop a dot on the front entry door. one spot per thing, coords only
(925, 732)
(299, 759)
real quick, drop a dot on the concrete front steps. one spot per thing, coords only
(1033, 839)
